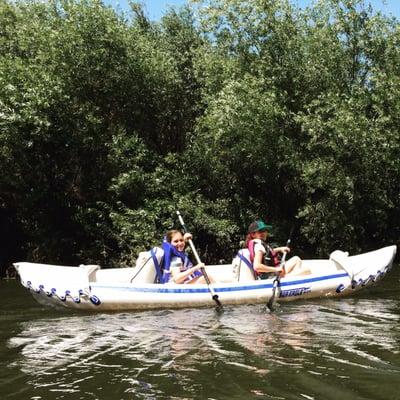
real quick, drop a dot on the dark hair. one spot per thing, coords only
(171, 233)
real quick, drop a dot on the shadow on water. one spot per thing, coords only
(320, 349)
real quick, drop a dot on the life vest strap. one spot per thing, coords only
(156, 265)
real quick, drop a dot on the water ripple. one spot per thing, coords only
(307, 350)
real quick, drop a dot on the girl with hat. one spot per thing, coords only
(265, 259)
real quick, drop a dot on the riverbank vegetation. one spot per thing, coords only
(229, 111)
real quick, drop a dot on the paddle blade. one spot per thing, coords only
(270, 303)
(219, 307)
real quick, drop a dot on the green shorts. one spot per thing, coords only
(266, 275)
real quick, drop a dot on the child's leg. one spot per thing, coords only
(294, 266)
(201, 279)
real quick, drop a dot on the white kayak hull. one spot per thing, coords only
(94, 289)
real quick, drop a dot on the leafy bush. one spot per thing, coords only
(230, 111)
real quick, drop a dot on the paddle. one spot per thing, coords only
(203, 271)
(277, 280)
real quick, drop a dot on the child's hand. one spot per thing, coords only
(281, 271)
(199, 266)
(187, 236)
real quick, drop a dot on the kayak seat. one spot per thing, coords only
(242, 267)
(143, 272)
(147, 268)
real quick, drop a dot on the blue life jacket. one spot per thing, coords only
(169, 253)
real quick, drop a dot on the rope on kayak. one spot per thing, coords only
(95, 300)
(340, 288)
(63, 296)
(355, 283)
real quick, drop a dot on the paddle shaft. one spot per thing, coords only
(277, 280)
(197, 257)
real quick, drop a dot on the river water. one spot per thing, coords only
(347, 349)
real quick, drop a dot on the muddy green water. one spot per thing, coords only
(347, 349)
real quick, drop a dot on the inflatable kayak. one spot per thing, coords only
(89, 287)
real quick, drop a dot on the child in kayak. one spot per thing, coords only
(176, 261)
(265, 259)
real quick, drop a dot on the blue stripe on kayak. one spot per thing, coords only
(185, 289)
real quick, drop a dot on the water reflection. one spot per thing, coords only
(303, 348)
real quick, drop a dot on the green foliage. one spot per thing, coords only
(318, 68)
(228, 111)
